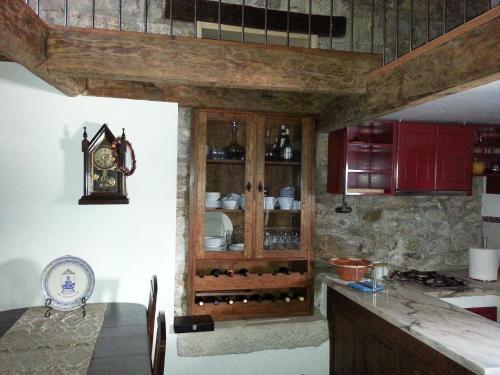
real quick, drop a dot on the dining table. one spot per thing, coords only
(109, 338)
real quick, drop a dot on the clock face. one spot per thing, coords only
(103, 158)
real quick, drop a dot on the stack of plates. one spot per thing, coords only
(288, 192)
(237, 246)
(212, 200)
(213, 243)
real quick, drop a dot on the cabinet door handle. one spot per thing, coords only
(249, 186)
(260, 187)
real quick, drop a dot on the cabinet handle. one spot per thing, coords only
(260, 187)
(249, 186)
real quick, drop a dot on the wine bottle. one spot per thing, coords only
(286, 151)
(282, 269)
(200, 301)
(215, 272)
(282, 136)
(229, 300)
(216, 300)
(243, 272)
(229, 272)
(285, 297)
(269, 297)
(245, 299)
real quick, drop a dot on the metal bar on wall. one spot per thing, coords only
(397, 29)
(120, 8)
(331, 25)
(66, 13)
(38, 7)
(93, 14)
(352, 25)
(171, 17)
(218, 18)
(384, 32)
(428, 20)
(242, 21)
(288, 23)
(373, 26)
(444, 16)
(265, 23)
(145, 16)
(411, 25)
(195, 19)
(465, 11)
(309, 26)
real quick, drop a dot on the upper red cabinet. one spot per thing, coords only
(434, 157)
(416, 157)
(455, 149)
(388, 158)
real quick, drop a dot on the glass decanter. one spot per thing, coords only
(234, 150)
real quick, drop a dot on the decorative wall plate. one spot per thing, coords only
(66, 280)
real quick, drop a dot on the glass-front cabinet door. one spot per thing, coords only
(284, 186)
(225, 173)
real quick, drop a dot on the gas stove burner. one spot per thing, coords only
(429, 278)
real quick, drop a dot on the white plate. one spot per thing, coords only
(237, 247)
(217, 224)
(65, 281)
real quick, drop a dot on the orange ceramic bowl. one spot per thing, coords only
(350, 269)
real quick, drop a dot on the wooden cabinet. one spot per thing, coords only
(362, 343)
(271, 238)
(434, 157)
(416, 157)
(360, 160)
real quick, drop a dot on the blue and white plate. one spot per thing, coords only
(66, 281)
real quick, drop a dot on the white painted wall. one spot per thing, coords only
(41, 181)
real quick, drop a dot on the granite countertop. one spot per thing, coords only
(466, 338)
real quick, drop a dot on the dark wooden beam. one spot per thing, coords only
(467, 57)
(208, 11)
(217, 98)
(23, 39)
(129, 56)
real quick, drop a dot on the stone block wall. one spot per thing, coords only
(427, 232)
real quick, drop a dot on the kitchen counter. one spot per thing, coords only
(466, 338)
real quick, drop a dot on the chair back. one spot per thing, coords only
(160, 345)
(151, 313)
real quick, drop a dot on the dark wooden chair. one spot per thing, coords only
(160, 345)
(151, 313)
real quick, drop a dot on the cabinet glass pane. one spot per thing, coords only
(225, 184)
(282, 185)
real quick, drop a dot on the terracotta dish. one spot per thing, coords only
(350, 269)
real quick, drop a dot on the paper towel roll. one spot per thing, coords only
(483, 264)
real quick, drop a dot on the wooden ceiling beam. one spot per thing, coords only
(23, 39)
(129, 56)
(217, 98)
(466, 57)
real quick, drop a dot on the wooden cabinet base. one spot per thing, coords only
(362, 343)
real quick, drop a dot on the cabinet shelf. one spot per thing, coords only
(224, 161)
(370, 171)
(282, 163)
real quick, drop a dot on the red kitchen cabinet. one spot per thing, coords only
(416, 157)
(434, 157)
(455, 148)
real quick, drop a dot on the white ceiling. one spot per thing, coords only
(478, 105)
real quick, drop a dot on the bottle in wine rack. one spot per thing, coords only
(269, 297)
(245, 299)
(243, 272)
(216, 300)
(200, 301)
(285, 297)
(215, 272)
(229, 300)
(284, 270)
(297, 296)
(229, 272)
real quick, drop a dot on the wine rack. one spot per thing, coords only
(269, 237)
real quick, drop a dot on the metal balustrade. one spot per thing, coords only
(352, 5)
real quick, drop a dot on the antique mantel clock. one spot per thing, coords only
(104, 167)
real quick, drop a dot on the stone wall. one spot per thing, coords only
(181, 247)
(409, 232)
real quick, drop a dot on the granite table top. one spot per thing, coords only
(466, 338)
